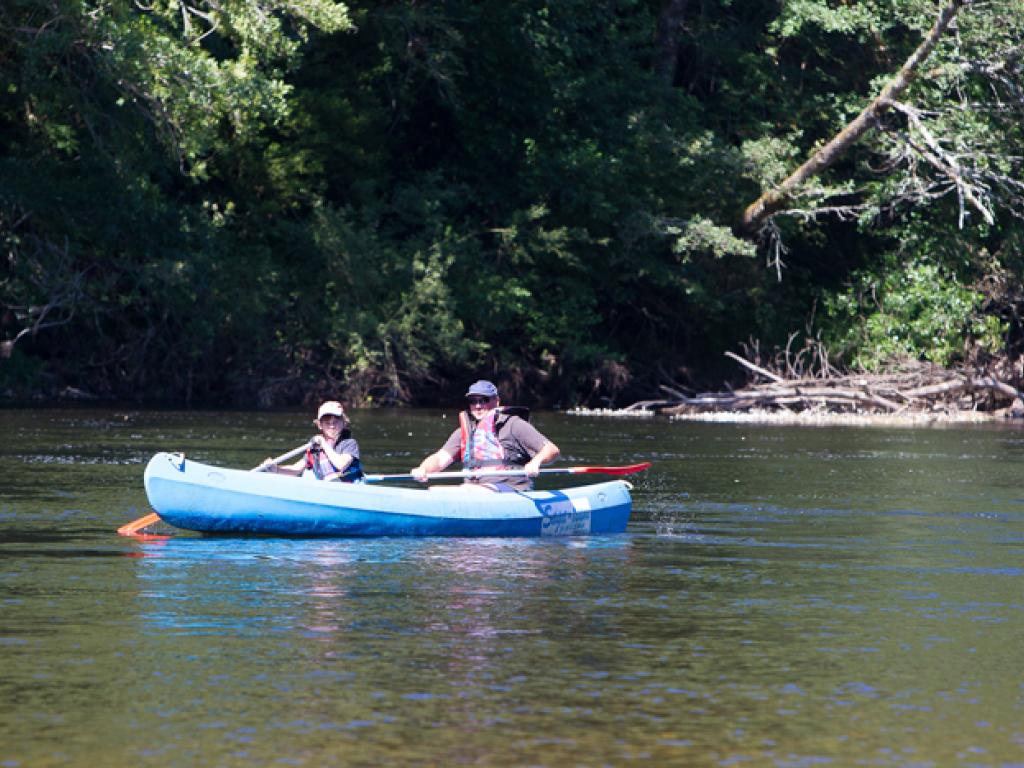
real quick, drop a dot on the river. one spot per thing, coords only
(784, 596)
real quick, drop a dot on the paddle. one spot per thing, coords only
(283, 457)
(629, 469)
(133, 528)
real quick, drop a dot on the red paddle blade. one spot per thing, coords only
(629, 469)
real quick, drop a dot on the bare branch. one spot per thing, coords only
(774, 200)
(912, 388)
(63, 296)
(755, 368)
(944, 161)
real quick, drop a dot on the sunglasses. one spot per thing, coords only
(478, 400)
(329, 417)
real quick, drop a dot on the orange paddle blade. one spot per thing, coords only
(133, 528)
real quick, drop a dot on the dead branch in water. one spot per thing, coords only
(914, 389)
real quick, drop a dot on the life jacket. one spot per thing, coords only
(479, 444)
(322, 467)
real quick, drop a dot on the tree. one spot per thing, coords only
(100, 230)
(264, 202)
(968, 100)
(774, 200)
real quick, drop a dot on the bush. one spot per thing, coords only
(921, 312)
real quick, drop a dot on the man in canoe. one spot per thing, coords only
(333, 454)
(492, 437)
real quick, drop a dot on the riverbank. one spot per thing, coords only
(911, 394)
(810, 417)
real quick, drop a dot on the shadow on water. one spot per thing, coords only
(58, 553)
(34, 536)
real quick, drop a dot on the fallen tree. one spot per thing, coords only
(776, 199)
(912, 389)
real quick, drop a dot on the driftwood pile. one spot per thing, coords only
(917, 390)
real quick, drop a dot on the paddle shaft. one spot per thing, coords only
(133, 528)
(476, 474)
(283, 457)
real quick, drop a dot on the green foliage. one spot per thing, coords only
(700, 234)
(919, 312)
(260, 202)
(207, 75)
(21, 376)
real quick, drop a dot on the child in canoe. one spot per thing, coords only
(332, 455)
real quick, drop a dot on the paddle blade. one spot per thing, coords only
(629, 469)
(133, 528)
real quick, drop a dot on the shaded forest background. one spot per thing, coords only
(263, 203)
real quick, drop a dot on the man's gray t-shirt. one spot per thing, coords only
(519, 439)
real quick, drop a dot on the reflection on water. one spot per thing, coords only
(784, 596)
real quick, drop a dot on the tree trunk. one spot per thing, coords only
(666, 39)
(774, 200)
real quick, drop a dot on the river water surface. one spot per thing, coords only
(784, 596)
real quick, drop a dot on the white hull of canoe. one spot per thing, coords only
(200, 497)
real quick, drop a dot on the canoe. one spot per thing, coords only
(200, 497)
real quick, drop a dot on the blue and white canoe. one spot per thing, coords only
(200, 497)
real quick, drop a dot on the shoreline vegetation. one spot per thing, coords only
(581, 201)
(912, 394)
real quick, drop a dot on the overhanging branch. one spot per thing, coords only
(774, 200)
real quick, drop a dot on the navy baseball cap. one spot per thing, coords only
(483, 388)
